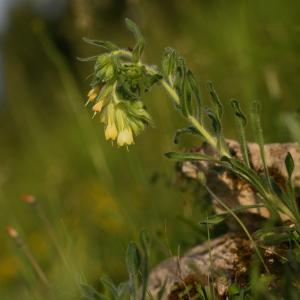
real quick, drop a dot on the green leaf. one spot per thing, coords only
(219, 218)
(233, 290)
(87, 59)
(217, 127)
(123, 291)
(196, 91)
(214, 220)
(215, 121)
(241, 122)
(133, 262)
(215, 99)
(145, 242)
(169, 62)
(133, 258)
(258, 132)
(188, 130)
(289, 164)
(246, 173)
(238, 112)
(109, 287)
(184, 156)
(186, 98)
(140, 41)
(274, 235)
(102, 44)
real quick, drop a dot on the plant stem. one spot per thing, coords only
(240, 223)
(171, 91)
(208, 137)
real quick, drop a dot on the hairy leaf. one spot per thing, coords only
(102, 44)
(140, 41)
(289, 164)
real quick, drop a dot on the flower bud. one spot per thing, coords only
(12, 232)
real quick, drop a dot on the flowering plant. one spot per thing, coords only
(121, 78)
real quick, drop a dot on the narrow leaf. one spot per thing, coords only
(188, 130)
(196, 91)
(241, 121)
(140, 41)
(102, 44)
(183, 156)
(215, 99)
(255, 111)
(289, 164)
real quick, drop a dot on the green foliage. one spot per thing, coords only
(137, 267)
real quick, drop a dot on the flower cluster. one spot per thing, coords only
(119, 81)
(122, 118)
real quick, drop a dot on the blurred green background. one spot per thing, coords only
(97, 197)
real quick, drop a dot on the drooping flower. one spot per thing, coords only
(111, 131)
(93, 93)
(108, 118)
(125, 137)
(98, 106)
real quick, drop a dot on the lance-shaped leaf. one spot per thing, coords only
(183, 156)
(186, 98)
(216, 100)
(187, 130)
(102, 44)
(144, 239)
(258, 132)
(133, 262)
(219, 218)
(248, 174)
(196, 92)
(217, 127)
(140, 41)
(241, 121)
(216, 124)
(87, 59)
(289, 164)
(274, 235)
(169, 63)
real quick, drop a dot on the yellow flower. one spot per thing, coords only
(98, 106)
(111, 131)
(125, 137)
(93, 93)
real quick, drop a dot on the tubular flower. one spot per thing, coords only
(125, 137)
(98, 106)
(123, 120)
(93, 93)
(111, 131)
